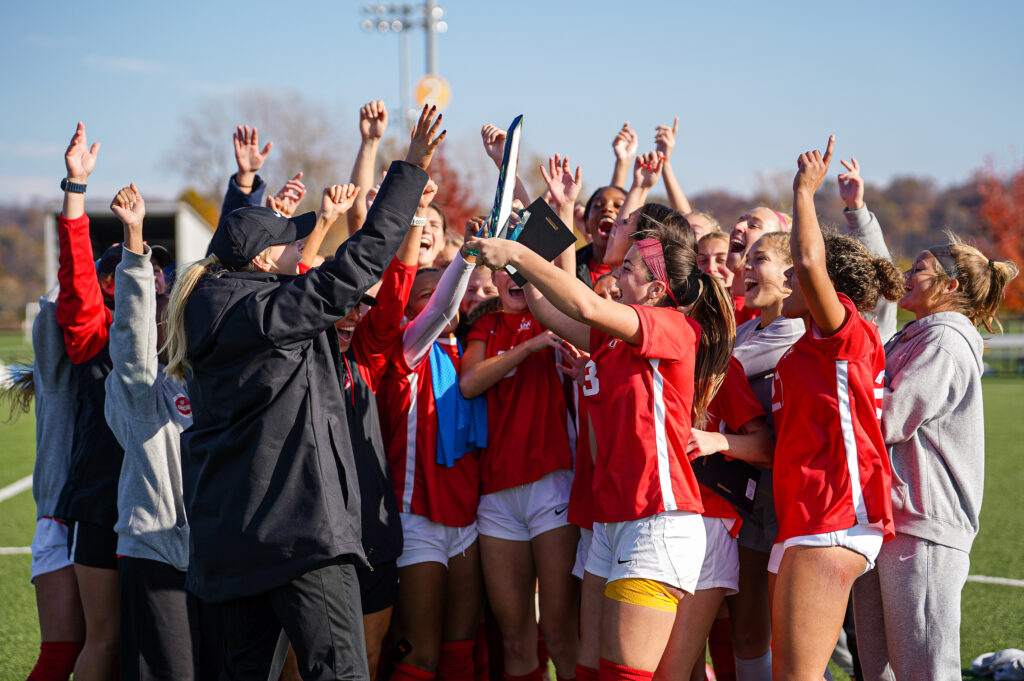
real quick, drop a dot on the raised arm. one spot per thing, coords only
(133, 335)
(373, 122)
(808, 246)
(305, 305)
(565, 292)
(245, 187)
(646, 171)
(441, 309)
(288, 197)
(494, 144)
(664, 143)
(81, 313)
(563, 190)
(624, 146)
(862, 225)
(337, 200)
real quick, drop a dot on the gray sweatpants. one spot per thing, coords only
(907, 611)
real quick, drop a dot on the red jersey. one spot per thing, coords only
(408, 423)
(742, 313)
(381, 328)
(581, 503)
(597, 270)
(81, 312)
(641, 467)
(527, 419)
(831, 468)
(733, 406)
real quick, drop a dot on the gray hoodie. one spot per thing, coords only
(933, 422)
(146, 411)
(54, 386)
(862, 225)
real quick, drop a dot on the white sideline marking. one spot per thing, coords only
(16, 488)
(15, 550)
(995, 580)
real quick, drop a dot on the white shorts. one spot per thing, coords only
(582, 549)
(49, 547)
(721, 568)
(667, 547)
(524, 512)
(425, 541)
(864, 539)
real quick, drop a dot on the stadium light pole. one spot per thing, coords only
(401, 18)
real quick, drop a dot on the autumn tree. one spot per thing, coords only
(1001, 213)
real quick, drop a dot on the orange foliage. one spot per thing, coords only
(454, 193)
(1002, 214)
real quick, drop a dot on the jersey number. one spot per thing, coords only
(590, 383)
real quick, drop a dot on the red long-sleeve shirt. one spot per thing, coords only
(81, 312)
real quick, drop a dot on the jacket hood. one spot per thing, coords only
(953, 321)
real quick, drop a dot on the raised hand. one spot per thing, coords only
(647, 169)
(494, 142)
(129, 207)
(429, 192)
(472, 228)
(373, 120)
(563, 186)
(493, 252)
(337, 199)
(665, 139)
(812, 168)
(247, 149)
(80, 158)
(851, 185)
(626, 143)
(425, 138)
(288, 198)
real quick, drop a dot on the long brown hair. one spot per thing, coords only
(18, 389)
(711, 307)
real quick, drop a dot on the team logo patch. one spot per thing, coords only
(182, 404)
(525, 325)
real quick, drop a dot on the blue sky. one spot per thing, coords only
(922, 88)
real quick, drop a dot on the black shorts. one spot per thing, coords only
(760, 525)
(92, 545)
(378, 586)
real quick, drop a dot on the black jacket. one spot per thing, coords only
(381, 524)
(269, 475)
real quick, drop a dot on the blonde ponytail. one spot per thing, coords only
(177, 340)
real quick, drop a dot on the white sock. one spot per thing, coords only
(754, 669)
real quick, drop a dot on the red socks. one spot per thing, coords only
(586, 673)
(56, 660)
(616, 672)
(456, 663)
(535, 675)
(720, 646)
(480, 658)
(405, 672)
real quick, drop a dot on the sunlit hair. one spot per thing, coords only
(711, 307)
(658, 215)
(176, 344)
(779, 242)
(982, 282)
(716, 226)
(713, 236)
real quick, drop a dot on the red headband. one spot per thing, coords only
(654, 258)
(782, 219)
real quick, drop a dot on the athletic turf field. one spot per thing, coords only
(993, 614)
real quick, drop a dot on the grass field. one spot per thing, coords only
(993, 615)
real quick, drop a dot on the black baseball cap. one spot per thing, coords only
(246, 232)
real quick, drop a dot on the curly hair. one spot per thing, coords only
(859, 274)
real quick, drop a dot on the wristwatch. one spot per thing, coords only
(418, 222)
(69, 186)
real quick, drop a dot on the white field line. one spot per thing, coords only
(15, 550)
(995, 580)
(16, 488)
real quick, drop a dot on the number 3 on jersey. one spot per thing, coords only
(590, 383)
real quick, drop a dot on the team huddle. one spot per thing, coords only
(403, 462)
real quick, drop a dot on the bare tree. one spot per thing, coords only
(305, 139)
